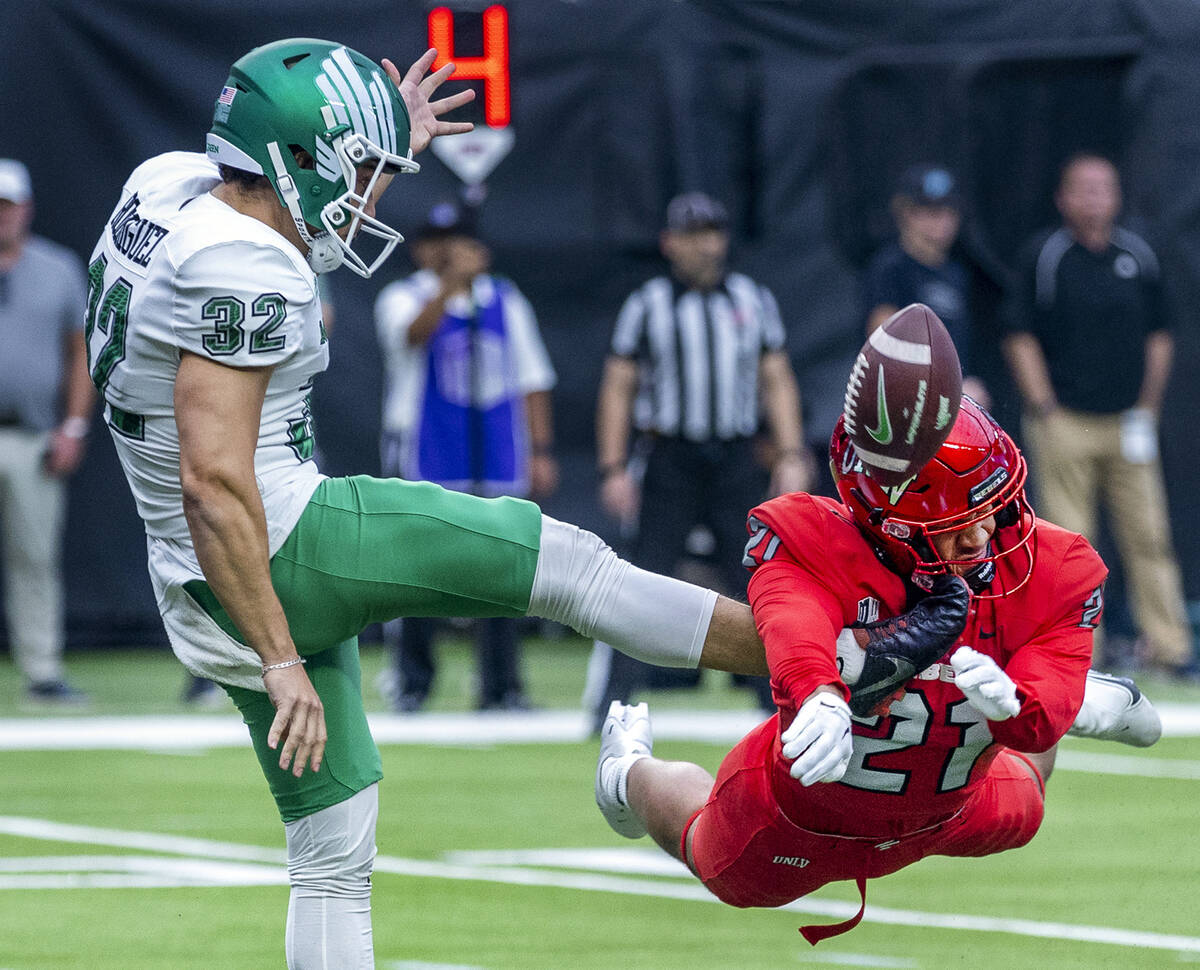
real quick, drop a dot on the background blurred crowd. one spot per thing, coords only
(842, 170)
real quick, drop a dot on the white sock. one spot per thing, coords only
(330, 854)
(614, 775)
(581, 582)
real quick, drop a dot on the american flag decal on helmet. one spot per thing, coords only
(226, 95)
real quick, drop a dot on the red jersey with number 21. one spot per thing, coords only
(814, 573)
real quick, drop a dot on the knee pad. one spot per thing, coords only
(574, 568)
(581, 582)
(332, 852)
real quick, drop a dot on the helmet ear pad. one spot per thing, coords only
(1008, 516)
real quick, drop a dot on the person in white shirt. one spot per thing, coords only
(467, 405)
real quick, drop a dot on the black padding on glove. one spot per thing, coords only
(901, 647)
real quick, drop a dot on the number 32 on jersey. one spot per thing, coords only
(109, 314)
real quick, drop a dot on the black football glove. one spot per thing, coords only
(901, 647)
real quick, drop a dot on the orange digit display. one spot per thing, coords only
(491, 68)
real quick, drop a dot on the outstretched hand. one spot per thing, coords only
(818, 742)
(299, 719)
(988, 688)
(416, 89)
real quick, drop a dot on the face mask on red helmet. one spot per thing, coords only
(977, 475)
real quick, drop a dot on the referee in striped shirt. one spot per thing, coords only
(697, 357)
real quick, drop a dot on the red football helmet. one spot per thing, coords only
(977, 472)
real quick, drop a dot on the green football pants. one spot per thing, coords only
(368, 550)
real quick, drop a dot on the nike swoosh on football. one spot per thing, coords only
(883, 432)
(894, 677)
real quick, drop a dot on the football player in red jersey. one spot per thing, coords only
(938, 737)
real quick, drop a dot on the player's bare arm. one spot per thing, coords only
(217, 411)
(423, 115)
(732, 643)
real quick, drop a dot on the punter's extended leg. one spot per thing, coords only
(581, 582)
(367, 550)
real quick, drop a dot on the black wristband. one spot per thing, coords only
(543, 451)
(605, 472)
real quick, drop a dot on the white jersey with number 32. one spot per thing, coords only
(176, 270)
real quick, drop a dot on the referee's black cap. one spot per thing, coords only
(929, 185)
(448, 219)
(694, 211)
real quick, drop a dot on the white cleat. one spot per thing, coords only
(624, 739)
(1115, 710)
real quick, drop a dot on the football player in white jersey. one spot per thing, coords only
(204, 336)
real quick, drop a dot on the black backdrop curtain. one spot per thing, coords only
(799, 116)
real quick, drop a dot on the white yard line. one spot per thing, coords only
(188, 734)
(132, 872)
(190, 731)
(833, 958)
(422, 965)
(516, 871)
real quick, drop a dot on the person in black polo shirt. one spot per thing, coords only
(919, 266)
(1090, 350)
(696, 357)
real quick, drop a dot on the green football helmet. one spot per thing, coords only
(339, 108)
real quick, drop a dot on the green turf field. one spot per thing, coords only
(493, 856)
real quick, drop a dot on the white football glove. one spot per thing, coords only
(989, 689)
(818, 742)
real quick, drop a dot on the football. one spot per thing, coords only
(903, 394)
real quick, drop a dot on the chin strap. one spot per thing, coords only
(324, 253)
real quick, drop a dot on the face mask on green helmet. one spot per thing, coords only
(324, 124)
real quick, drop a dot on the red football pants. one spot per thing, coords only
(748, 854)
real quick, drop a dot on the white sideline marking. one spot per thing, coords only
(1099, 763)
(132, 872)
(422, 965)
(192, 731)
(593, 882)
(40, 828)
(629, 860)
(854, 959)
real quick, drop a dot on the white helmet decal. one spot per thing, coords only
(358, 105)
